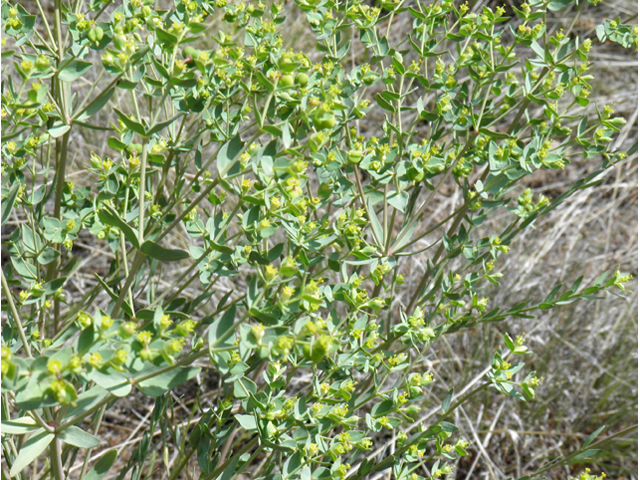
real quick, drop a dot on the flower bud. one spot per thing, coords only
(185, 328)
(127, 329)
(85, 320)
(54, 367)
(412, 410)
(63, 391)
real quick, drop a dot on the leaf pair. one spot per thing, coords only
(40, 439)
(150, 248)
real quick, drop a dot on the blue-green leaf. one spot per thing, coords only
(58, 129)
(592, 452)
(164, 382)
(32, 448)
(7, 204)
(110, 217)
(375, 224)
(248, 422)
(130, 124)
(114, 382)
(446, 403)
(96, 104)
(101, 468)
(384, 104)
(73, 70)
(220, 332)
(19, 426)
(158, 127)
(125, 306)
(591, 437)
(78, 438)
(399, 200)
(154, 250)
(227, 161)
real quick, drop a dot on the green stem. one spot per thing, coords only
(14, 314)
(123, 246)
(558, 462)
(363, 199)
(138, 260)
(46, 23)
(183, 461)
(87, 456)
(55, 455)
(142, 190)
(221, 468)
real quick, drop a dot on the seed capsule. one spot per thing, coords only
(191, 52)
(302, 79)
(354, 156)
(42, 63)
(119, 41)
(286, 81)
(325, 121)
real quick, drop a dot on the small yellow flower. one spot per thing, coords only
(384, 421)
(287, 293)
(264, 224)
(95, 359)
(107, 322)
(270, 272)
(54, 367)
(144, 338)
(165, 322)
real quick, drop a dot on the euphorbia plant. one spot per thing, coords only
(239, 166)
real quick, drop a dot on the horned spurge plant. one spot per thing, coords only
(256, 232)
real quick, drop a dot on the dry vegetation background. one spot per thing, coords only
(586, 352)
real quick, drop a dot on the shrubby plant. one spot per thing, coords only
(231, 156)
